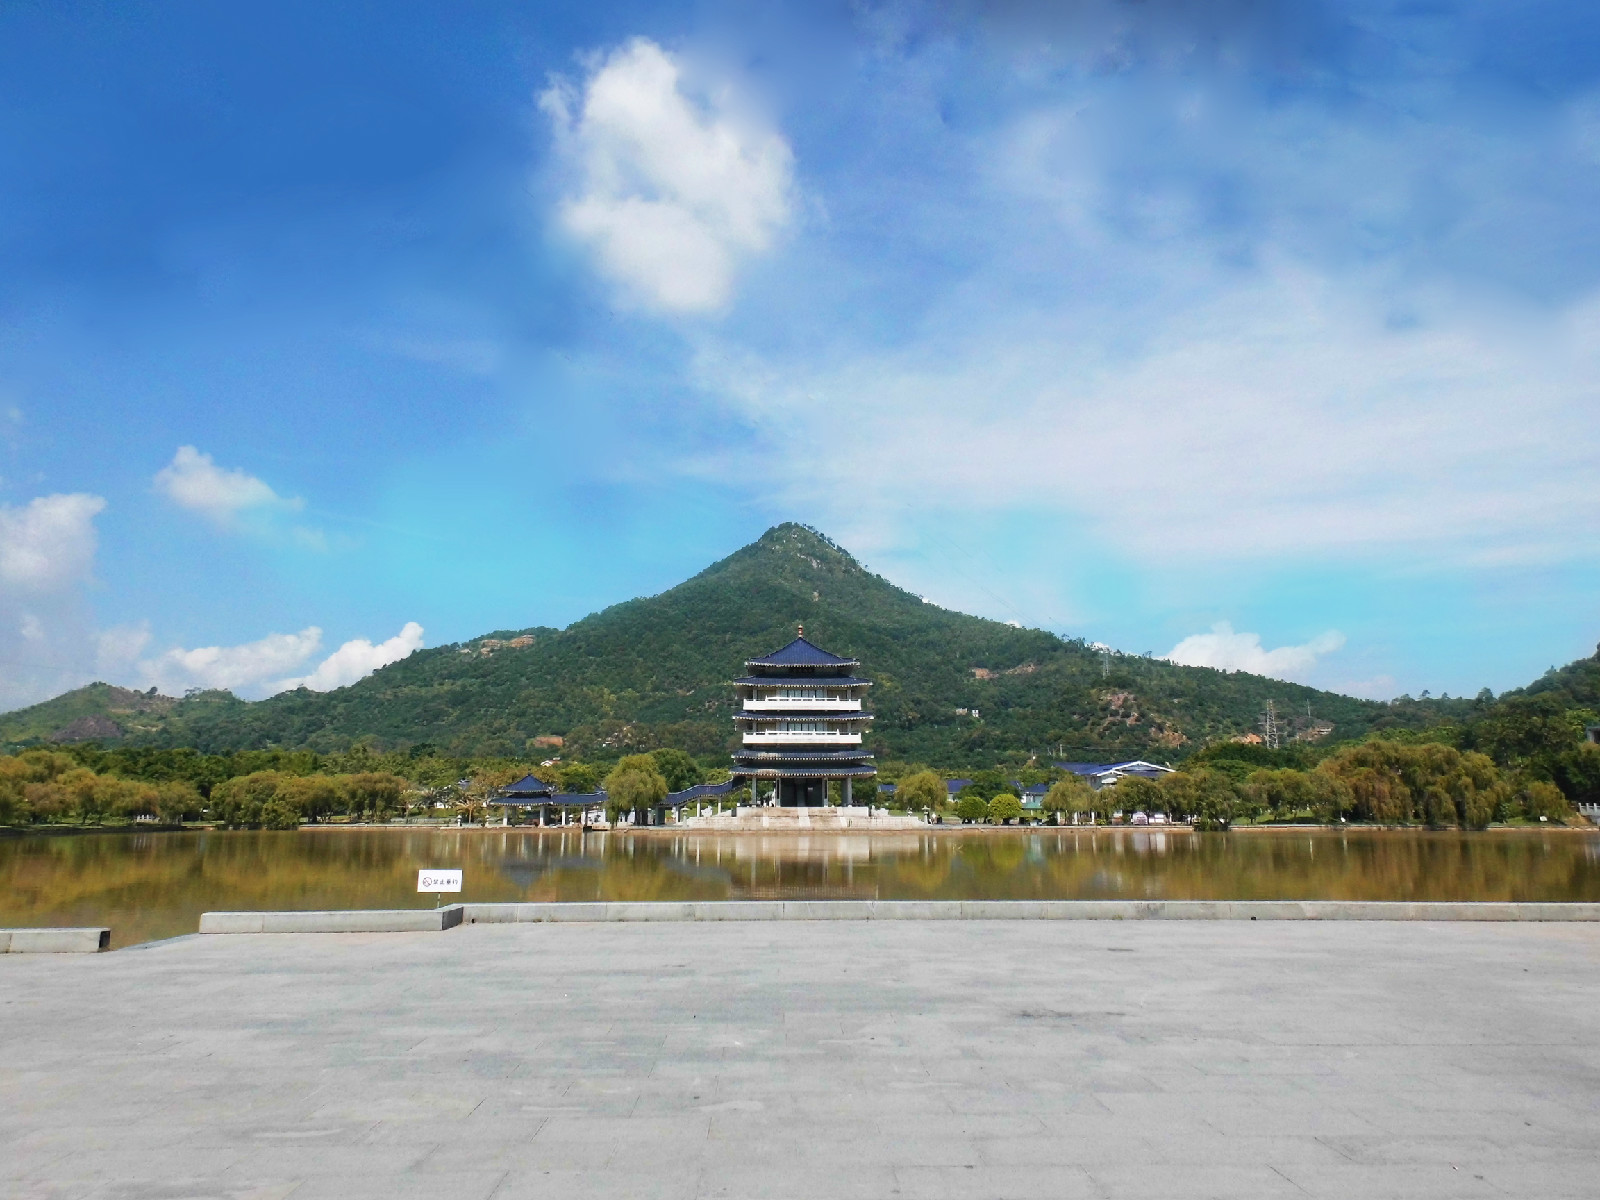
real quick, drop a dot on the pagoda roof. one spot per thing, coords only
(801, 653)
(817, 681)
(842, 756)
(528, 785)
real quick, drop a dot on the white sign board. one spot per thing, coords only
(438, 881)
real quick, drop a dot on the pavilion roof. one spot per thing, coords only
(528, 785)
(817, 681)
(801, 653)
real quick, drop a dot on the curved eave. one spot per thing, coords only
(809, 773)
(838, 756)
(833, 664)
(818, 681)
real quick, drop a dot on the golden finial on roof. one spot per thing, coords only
(800, 630)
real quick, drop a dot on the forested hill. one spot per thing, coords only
(655, 671)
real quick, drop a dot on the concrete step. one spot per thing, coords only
(54, 941)
(772, 819)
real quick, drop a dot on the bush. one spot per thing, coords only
(1005, 807)
(971, 807)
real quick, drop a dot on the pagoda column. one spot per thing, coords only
(847, 800)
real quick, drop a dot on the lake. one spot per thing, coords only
(155, 885)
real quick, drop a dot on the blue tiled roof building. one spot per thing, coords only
(801, 724)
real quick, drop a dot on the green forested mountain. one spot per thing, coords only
(654, 672)
(96, 712)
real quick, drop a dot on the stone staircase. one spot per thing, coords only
(769, 819)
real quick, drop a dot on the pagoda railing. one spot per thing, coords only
(807, 704)
(787, 737)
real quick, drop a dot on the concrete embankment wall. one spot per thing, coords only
(407, 920)
(1030, 910)
(54, 941)
(355, 920)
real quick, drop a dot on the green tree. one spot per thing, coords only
(127, 797)
(1071, 794)
(237, 803)
(311, 797)
(46, 801)
(1134, 793)
(474, 798)
(1540, 798)
(677, 768)
(635, 785)
(279, 814)
(1530, 734)
(579, 778)
(374, 794)
(88, 803)
(989, 782)
(971, 807)
(176, 799)
(1578, 773)
(1283, 793)
(1210, 796)
(924, 791)
(1004, 808)
(1331, 797)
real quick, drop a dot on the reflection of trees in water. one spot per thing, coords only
(155, 885)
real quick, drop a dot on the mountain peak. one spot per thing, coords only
(802, 541)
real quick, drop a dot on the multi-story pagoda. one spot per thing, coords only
(801, 724)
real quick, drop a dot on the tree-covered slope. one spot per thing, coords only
(97, 711)
(655, 671)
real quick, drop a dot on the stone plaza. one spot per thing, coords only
(810, 1059)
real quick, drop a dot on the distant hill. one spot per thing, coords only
(98, 712)
(951, 689)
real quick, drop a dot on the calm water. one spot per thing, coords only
(147, 886)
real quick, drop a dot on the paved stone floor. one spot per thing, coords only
(799, 1059)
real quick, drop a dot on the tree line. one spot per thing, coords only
(281, 790)
(1524, 761)
(1380, 781)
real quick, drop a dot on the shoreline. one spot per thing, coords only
(656, 831)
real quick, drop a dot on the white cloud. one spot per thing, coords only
(48, 544)
(357, 659)
(117, 649)
(246, 667)
(194, 481)
(1379, 687)
(1229, 651)
(261, 668)
(1284, 418)
(47, 549)
(672, 190)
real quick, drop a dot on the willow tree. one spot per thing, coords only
(634, 785)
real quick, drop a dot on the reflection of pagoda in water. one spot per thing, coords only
(801, 724)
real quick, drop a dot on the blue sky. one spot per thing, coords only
(1263, 335)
